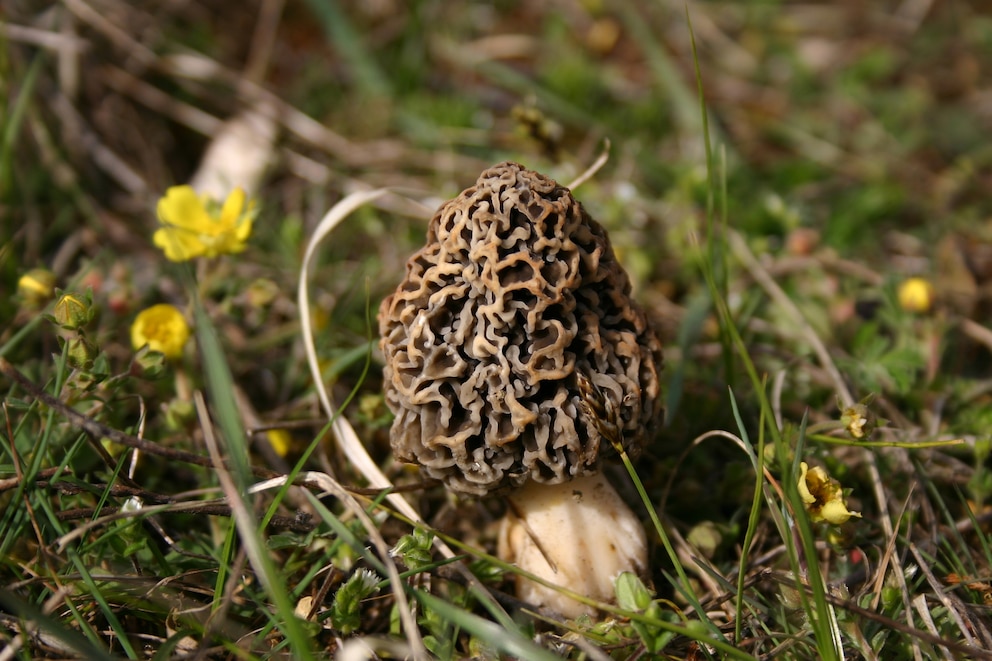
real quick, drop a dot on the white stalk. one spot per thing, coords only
(578, 535)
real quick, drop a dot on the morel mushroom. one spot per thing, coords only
(515, 359)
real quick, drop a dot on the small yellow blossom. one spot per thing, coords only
(915, 295)
(857, 425)
(163, 328)
(280, 440)
(822, 496)
(36, 287)
(197, 226)
(859, 420)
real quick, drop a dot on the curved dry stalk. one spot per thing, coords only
(697, 441)
(591, 171)
(348, 440)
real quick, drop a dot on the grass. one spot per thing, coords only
(776, 172)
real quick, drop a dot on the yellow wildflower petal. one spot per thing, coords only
(231, 242)
(163, 328)
(196, 226)
(915, 295)
(182, 207)
(243, 230)
(230, 213)
(236, 220)
(179, 245)
(280, 440)
(836, 512)
(185, 219)
(822, 496)
(804, 492)
(36, 286)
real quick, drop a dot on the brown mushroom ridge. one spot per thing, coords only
(516, 292)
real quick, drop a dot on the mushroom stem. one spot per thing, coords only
(579, 535)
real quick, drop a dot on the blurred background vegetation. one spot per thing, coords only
(850, 152)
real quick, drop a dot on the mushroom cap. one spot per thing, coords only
(511, 310)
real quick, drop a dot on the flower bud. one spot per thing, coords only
(36, 287)
(179, 414)
(80, 353)
(261, 292)
(72, 312)
(858, 420)
(280, 440)
(915, 295)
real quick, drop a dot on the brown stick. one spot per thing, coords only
(99, 430)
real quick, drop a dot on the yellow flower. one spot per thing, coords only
(915, 295)
(163, 328)
(857, 425)
(858, 419)
(280, 440)
(36, 287)
(195, 226)
(822, 496)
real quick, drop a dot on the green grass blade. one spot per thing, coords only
(366, 73)
(506, 640)
(13, 121)
(223, 565)
(93, 590)
(821, 613)
(665, 73)
(683, 585)
(221, 388)
(697, 311)
(72, 639)
(753, 520)
(37, 458)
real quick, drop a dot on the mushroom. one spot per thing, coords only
(515, 361)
